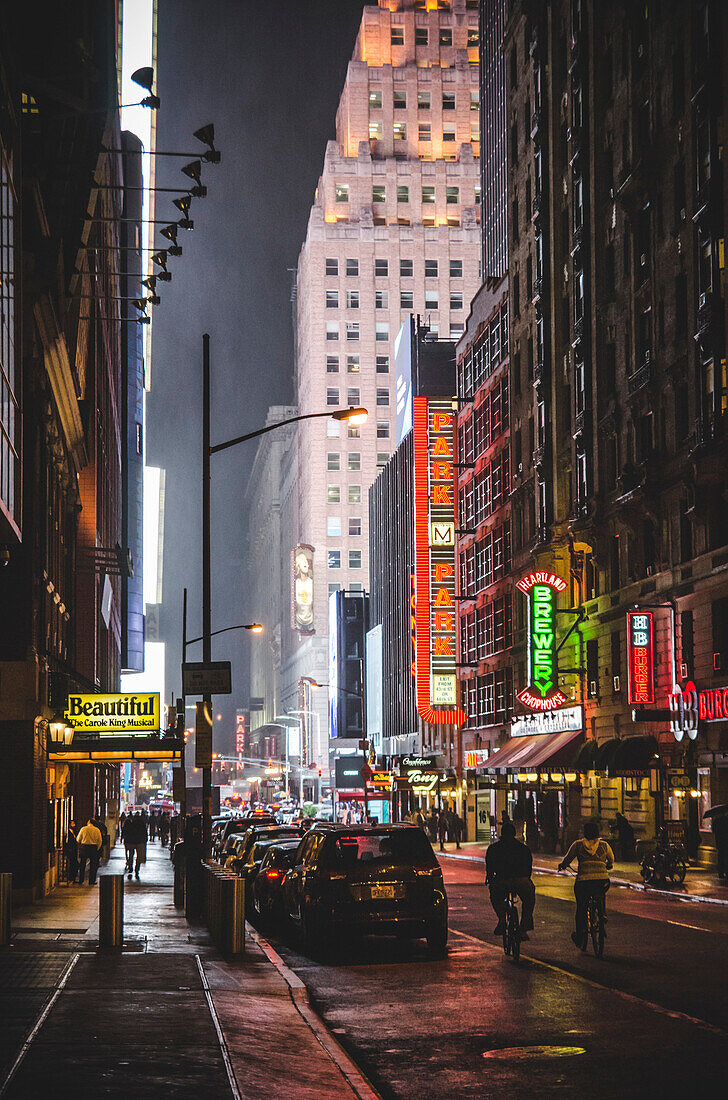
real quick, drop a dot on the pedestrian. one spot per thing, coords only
(164, 829)
(432, 824)
(70, 851)
(442, 829)
(625, 833)
(89, 848)
(127, 839)
(458, 826)
(720, 835)
(138, 841)
(101, 826)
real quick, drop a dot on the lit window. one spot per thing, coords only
(400, 101)
(397, 36)
(424, 133)
(381, 268)
(332, 330)
(431, 299)
(382, 397)
(352, 364)
(353, 433)
(332, 299)
(352, 299)
(352, 330)
(474, 132)
(333, 587)
(382, 330)
(355, 559)
(332, 396)
(456, 299)
(333, 525)
(477, 195)
(354, 460)
(356, 588)
(406, 299)
(355, 494)
(381, 299)
(474, 101)
(375, 131)
(354, 525)
(456, 331)
(456, 269)
(453, 195)
(405, 269)
(378, 193)
(382, 429)
(428, 195)
(332, 364)
(382, 364)
(352, 267)
(353, 397)
(445, 36)
(448, 135)
(332, 267)
(342, 192)
(421, 36)
(334, 559)
(400, 131)
(333, 429)
(473, 36)
(382, 460)
(375, 100)
(448, 101)
(334, 494)
(430, 269)
(403, 194)
(423, 101)
(333, 460)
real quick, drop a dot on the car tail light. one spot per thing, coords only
(272, 874)
(336, 875)
(431, 872)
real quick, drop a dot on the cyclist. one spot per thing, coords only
(595, 860)
(508, 865)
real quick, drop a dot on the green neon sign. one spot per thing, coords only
(543, 692)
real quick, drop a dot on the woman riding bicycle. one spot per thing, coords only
(595, 860)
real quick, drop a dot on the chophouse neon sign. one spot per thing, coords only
(641, 657)
(541, 589)
(434, 588)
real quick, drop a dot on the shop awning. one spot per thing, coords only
(554, 749)
(627, 755)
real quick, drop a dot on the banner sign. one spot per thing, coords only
(541, 589)
(114, 714)
(564, 720)
(302, 589)
(689, 705)
(640, 657)
(435, 574)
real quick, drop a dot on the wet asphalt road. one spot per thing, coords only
(650, 1019)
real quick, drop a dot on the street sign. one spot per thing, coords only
(676, 778)
(203, 736)
(365, 772)
(212, 678)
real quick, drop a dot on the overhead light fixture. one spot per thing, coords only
(192, 170)
(170, 232)
(144, 77)
(206, 134)
(351, 416)
(140, 303)
(183, 205)
(150, 283)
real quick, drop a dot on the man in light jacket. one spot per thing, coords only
(88, 840)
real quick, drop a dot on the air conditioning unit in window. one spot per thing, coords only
(716, 662)
(616, 683)
(593, 689)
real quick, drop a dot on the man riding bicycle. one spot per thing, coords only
(508, 865)
(595, 860)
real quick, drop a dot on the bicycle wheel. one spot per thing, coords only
(679, 870)
(595, 924)
(515, 935)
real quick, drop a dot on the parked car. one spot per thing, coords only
(250, 855)
(366, 879)
(240, 824)
(231, 849)
(267, 892)
(268, 832)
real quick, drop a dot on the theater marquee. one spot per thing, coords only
(114, 714)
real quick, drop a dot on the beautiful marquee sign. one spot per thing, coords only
(114, 714)
(641, 657)
(541, 589)
(435, 574)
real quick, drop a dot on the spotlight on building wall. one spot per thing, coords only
(206, 134)
(144, 77)
(170, 232)
(192, 170)
(183, 205)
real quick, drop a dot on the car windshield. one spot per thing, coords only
(403, 846)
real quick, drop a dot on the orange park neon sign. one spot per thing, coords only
(541, 589)
(435, 619)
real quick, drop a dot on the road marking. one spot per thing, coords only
(631, 997)
(39, 1023)
(220, 1037)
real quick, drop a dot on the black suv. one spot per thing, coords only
(375, 879)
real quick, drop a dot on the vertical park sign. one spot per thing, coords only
(541, 589)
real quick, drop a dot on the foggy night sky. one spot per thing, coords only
(268, 74)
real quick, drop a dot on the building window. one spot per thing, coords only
(333, 495)
(352, 267)
(397, 36)
(332, 267)
(445, 36)
(382, 460)
(332, 364)
(381, 299)
(375, 101)
(382, 429)
(421, 36)
(382, 364)
(406, 299)
(352, 364)
(332, 330)
(353, 397)
(355, 494)
(352, 330)
(402, 194)
(382, 330)
(448, 135)
(456, 269)
(333, 587)
(353, 433)
(355, 559)
(428, 195)
(382, 397)
(354, 525)
(375, 131)
(399, 101)
(332, 299)
(352, 299)
(424, 133)
(354, 459)
(333, 526)
(333, 429)
(430, 269)
(452, 196)
(333, 460)
(332, 396)
(456, 331)
(456, 299)
(405, 269)
(379, 193)
(400, 131)
(342, 192)
(474, 101)
(431, 299)
(448, 101)
(381, 268)
(334, 559)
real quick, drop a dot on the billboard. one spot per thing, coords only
(302, 589)
(114, 714)
(403, 378)
(347, 630)
(541, 589)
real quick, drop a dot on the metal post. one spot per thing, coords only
(285, 734)
(6, 896)
(183, 761)
(111, 911)
(206, 594)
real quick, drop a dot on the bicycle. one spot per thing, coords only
(512, 927)
(595, 921)
(666, 862)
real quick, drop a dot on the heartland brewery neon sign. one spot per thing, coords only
(434, 594)
(541, 589)
(121, 713)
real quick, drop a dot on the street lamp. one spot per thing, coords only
(357, 415)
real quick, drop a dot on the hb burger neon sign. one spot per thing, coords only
(541, 589)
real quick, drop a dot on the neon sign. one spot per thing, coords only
(543, 692)
(690, 705)
(434, 595)
(240, 738)
(640, 657)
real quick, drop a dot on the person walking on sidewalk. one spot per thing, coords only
(70, 851)
(625, 832)
(89, 848)
(458, 826)
(137, 841)
(164, 829)
(127, 837)
(442, 825)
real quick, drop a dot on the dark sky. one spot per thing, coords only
(268, 74)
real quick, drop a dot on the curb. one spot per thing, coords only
(356, 1080)
(642, 887)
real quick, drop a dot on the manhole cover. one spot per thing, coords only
(537, 1051)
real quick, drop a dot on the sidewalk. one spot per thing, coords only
(700, 885)
(169, 1015)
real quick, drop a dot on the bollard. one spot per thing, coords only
(6, 897)
(111, 912)
(234, 932)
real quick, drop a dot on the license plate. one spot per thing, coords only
(378, 892)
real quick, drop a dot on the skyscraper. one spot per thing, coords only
(393, 230)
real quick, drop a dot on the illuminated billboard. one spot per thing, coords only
(113, 714)
(541, 589)
(403, 380)
(435, 574)
(640, 657)
(302, 589)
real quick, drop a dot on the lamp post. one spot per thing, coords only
(353, 416)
